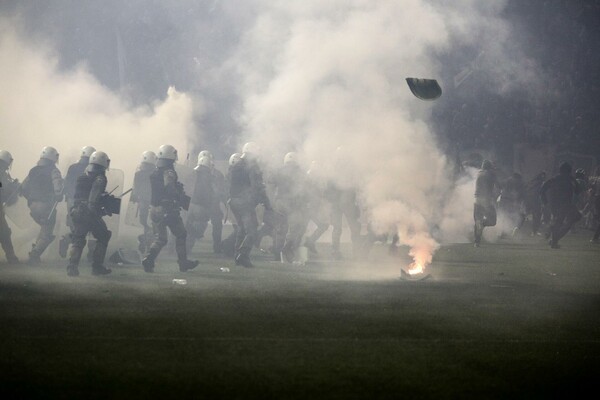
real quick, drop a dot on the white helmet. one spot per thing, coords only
(87, 151)
(168, 152)
(234, 159)
(6, 157)
(290, 158)
(149, 157)
(314, 167)
(100, 158)
(50, 153)
(205, 153)
(206, 161)
(251, 147)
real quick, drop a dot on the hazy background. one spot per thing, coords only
(309, 76)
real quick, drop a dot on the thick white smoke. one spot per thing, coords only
(318, 75)
(40, 105)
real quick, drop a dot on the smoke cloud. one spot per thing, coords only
(316, 76)
(325, 79)
(42, 105)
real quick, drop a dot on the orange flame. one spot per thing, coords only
(416, 268)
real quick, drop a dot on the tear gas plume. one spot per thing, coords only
(41, 105)
(321, 75)
(325, 79)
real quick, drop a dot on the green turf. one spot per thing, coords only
(506, 320)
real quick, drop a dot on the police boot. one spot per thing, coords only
(63, 245)
(287, 252)
(74, 257)
(9, 251)
(182, 260)
(98, 260)
(310, 245)
(91, 245)
(148, 261)
(243, 260)
(142, 243)
(34, 257)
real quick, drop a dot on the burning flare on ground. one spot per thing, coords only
(422, 258)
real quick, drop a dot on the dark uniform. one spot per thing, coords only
(43, 188)
(559, 194)
(142, 195)
(216, 218)
(319, 212)
(8, 195)
(343, 204)
(533, 202)
(86, 216)
(291, 205)
(512, 200)
(166, 202)
(246, 191)
(74, 172)
(205, 206)
(484, 209)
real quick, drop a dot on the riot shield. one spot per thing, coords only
(115, 179)
(18, 214)
(132, 214)
(187, 176)
(424, 89)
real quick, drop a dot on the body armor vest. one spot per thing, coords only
(74, 172)
(39, 185)
(160, 194)
(240, 179)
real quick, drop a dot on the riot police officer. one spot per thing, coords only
(559, 193)
(209, 194)
(43, 189)
(246, 192)
(90, 204)
(142, 195)
(8, 195)
(291, 205)
(168, 197)
(75, 171)
(484, 209)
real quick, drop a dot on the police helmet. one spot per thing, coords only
(6, 157)
(234, 159)
(205, 153)
(565, 168)
(167, 152)
(205, 161)
(100, 158)
(251, 148)
(149, 157)
(290, 158)
(86, 151)
(487, 164)
(49, 153)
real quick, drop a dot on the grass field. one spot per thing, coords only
(506, 320)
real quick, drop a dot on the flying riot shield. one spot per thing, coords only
(424, 89)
